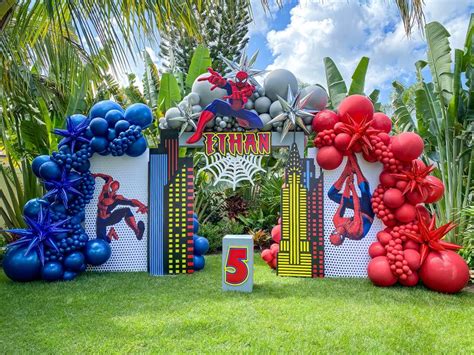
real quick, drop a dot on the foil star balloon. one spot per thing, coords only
(293, 112)
(62, 187)
(360, 132)
(73, 134)
(187, 116)
(416, 179)
(429, 237)
(244, 64)
(40, 233)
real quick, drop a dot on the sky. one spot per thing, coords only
(300, 34)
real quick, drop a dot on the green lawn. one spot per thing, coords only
(133, 312)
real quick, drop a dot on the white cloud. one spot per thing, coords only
(346, 31)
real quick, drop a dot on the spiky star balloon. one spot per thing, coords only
(73, 133)
(293, 112)
(64, 186)
(187, 116)
(244, 64)
(40, 233)
(416, 179)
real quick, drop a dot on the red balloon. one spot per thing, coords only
(406, 213)
(401, 185)
(436, 190)
(411, 244)
(385, 138)
(376, 249)
(387, 180)
(273, 263)
(325, 119)
(329, 158)
(414, 197)
(279, 220)
(393, 198)
(275, 248)
(383, 237)
(407, 146)
(382, 121)
(444, 271)
(413, 259)
(267, 255)
(276, 233)
(357, 107)
(379, 272)
(342, 141)
(411, 280)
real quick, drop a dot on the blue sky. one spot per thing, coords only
(298, 36)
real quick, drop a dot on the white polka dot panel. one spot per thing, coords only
(128, 252)
(349, 259)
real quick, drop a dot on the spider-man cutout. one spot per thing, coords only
(233, 104)
(357, 226)
(107, 215)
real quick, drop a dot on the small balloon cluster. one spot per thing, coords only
(410, 245)
(54, 245)
(270, 256)
(201, 246)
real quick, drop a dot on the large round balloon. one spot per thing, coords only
(276, 84)
(329, 158)
(276, 233)
(99, 126)
(325, 119)
(199, 262)
(97, 251)
(52, 271)
(50, 171)
(379, 272)
(201, 246)
(137, 148)
(407, 146)
(113, 116)
(444, 271)
(357, 107)
(436, 189)
(203, 89)
(21, 267)
(74, 261)
(170, 114)
(316, 97)
(38, 161)
(33, 206)
(262, 104)
(382, 122)
(101, 108)
(195, 226)
(139, 114)
(77, 119)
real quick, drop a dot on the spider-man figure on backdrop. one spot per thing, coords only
(107, 216)
(238, 93)
(357, 226)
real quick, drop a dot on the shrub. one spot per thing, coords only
(214, 232)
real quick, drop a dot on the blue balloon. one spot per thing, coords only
(84, 167)
(137, 148)
(99, 144)
(58, 207)
(139, 114)
(195, 216)
(199, 262)
(195, 226)
(121, 126)
(97, 251)
(113, 116)
(77, 119)
(52, 271)
(69, 275)
(74, 261)
(50, 171)
(32, 207)
(111, 134)
(101, 108)
(99, 127)
(21, 267)
(201, 246)
(38, 161)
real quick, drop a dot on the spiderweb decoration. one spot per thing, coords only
(233, 169)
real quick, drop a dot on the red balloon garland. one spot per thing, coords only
(409, 248)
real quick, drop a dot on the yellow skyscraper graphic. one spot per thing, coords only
(294, 257)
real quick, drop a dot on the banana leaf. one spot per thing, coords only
(200, 61)
(336, 86)
(358, 78)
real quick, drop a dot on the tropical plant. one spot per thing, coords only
(442, 112)
(215, 231)
(223, 30)
(337, 88)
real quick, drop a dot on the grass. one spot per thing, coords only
(134, 312)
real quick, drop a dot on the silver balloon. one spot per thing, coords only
(318, 98)
(265, 117)
(203, 89)
(275, 109)
(173, 112)
(249, 105)
(262, 104)
(277, 82)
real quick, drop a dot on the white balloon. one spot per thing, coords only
(203, 89)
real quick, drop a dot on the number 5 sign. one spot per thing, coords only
(237, 263)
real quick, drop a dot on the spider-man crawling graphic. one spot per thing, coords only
(107, 216)
(355, 227)
(238, 93)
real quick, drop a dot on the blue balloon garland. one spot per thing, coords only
(55, 246)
